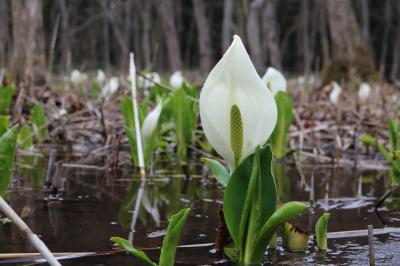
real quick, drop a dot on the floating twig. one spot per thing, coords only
(371, 245)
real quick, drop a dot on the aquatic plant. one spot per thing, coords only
(275, 81)
(335, 93)
(6, 93)
(170, 242)
(8, 142)
(38, 120)
(321, 229)
(238, 116)
(388, 153)
(293, 238)
(176, 80)
(363, 92)
(100, 77)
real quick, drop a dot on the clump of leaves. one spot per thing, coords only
(38, 120)
(6, 93)
(170, 242)
(8, 142)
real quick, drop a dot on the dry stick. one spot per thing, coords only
(371, 245)
(132, 70)
(33, 238)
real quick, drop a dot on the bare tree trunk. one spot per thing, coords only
(227, 24)
(385, 40)
(253, 34)
(349, 49)
(305, 6)
(269, 19)
(146, 21)
(65, 36)
(106, 41)
(28, 60)
(165, 7)
(365, 20)
(323, 32)
(204, 36)
(3, 33)
(396, 55)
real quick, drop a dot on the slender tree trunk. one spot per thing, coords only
(3, 33)
(166, 10)
(253, 34)
(305, 6)
(65, 36)
(385, 40)
(106, 41)
(323, 33)
(203, 37)
(28, 59)
(365, 20)
(227, 24)
(272, 36)
(396, 55)
(146, 20)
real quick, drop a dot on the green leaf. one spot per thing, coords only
(123, 243)
(219, 171)
(369, 140)
(394, 134)
(396, 155)
(172, 236)
(232, 254)
(321, 229)
(6, 93)
(38, 120)
(25, 138)
(8, 143)
(249, 200)
(4, 121)
(285, 213)
(279, 137)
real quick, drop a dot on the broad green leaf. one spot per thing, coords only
(184, 116)
(279, 137)
(250, 199)
(172, 236)
(285, 213)
(321, 229)
(8, 142)
(396, 155)
(123, 243)
(4, 121)
(232, 253)
(6, 93)
(38, 120)
(25, 138)
(219, 171)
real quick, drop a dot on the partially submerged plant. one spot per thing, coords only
(238, 116)
(321, 229)
(38, 120)
(387, 153)
(170, 242)
(294, 239)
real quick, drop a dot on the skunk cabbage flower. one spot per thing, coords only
(237, 113)
(150, 122)
(110, 88)
(145, 83)
(335, 93)
(176, 80)
(363, 92)
(76, 77)
(274, 80)
(101, 76)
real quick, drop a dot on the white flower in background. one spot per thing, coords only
(76, 77)
(150, 122)
(110, 88)
(237, 113)
(274, 80)
(101, 76)
(335, 93)
(176, 80)
(145, 83)
(363, 92)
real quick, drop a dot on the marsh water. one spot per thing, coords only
(92, 204)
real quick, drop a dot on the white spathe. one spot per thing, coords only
(335, 93)
(150, 122)
(76, 77)
(176, 80)
(234, 81)
(110, 88)
(146, 82)
(275, 81)
(101, 76)
(363, 92)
